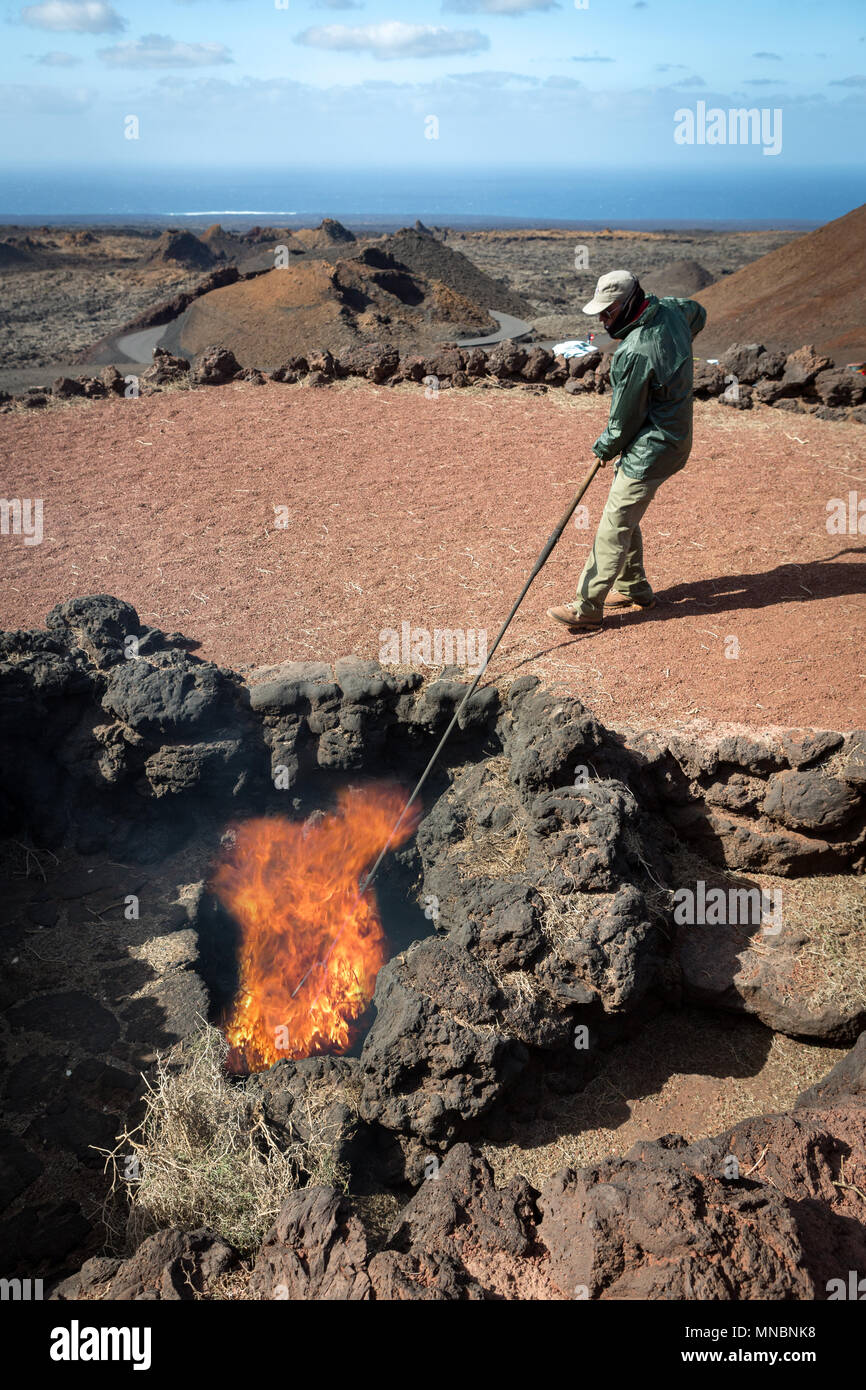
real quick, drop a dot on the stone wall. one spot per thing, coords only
(801, 381)
(548, 853)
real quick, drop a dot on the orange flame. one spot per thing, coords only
(311, 947)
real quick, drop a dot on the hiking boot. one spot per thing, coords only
(617, 600)
(570, 618)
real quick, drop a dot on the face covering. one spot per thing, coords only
(628, 311)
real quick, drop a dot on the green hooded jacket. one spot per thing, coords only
(651, 376)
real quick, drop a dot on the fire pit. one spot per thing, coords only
(309, 945)
(216, 829)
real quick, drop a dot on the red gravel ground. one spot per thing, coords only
(432, 512)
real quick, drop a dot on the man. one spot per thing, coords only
(650, 428)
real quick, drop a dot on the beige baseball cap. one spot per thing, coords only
(617, 284)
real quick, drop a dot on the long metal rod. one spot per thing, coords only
(542, 559)
(539, 566)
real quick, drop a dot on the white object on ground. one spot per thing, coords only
(573, 347)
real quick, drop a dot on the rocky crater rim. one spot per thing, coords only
(551, 853)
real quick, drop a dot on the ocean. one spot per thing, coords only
(753, 196)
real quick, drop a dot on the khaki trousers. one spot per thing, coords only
(617, 551)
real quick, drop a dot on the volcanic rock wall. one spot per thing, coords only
(669, 1221)
(802, 381)
(545, 856)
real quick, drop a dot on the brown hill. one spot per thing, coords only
(809, 291)
(250, 252)
(181, 248)
(314, 303)
(678, 278)
(222, 243)
(424, 254)
(13, 257)
(329, 233)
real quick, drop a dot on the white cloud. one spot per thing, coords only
(497, 81)
(316, 4)
(214, 116)
(511, 7)
(160, 51)
(18, 100)
(76, 16)
(394, 39)
(57, 59)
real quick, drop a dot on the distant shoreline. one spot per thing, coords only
(364, 222)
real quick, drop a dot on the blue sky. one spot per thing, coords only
(331, 82)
